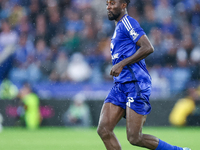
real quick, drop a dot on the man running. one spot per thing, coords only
(129, 97)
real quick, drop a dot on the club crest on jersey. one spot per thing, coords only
(133, 33)
(115, 56)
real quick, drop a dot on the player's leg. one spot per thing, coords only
(110, 116)
(137, 107)
(134, 123)
(134, 133)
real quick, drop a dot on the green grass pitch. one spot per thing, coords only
(87, 139)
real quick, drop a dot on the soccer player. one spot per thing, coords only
(129, 97)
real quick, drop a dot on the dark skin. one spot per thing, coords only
(110, 113)
(113, 6)
(145, 49)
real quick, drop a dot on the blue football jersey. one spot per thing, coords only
(123, 45)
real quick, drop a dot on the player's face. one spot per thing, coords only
(113, 9)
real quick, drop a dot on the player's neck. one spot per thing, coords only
(120, 17)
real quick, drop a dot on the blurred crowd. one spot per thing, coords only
(69, 41)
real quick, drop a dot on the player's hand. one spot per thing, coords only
(116, 70)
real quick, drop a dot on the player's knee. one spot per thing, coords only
(135, 139)
(103, 132)
(99, 130)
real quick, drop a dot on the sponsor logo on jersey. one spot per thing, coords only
(133, 33)
(129, 28)
(115, 56)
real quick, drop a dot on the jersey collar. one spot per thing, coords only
(123, 17)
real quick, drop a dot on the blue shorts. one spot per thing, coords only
(132, 94)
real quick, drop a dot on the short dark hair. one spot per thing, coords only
(126, 1)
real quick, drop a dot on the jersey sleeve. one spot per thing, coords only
(132, 29)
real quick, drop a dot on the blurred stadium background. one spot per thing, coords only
(62, 49)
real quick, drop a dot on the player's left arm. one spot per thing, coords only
(145, 49)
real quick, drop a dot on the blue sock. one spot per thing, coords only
(165, 146)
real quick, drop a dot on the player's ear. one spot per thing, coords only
(124, 5)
